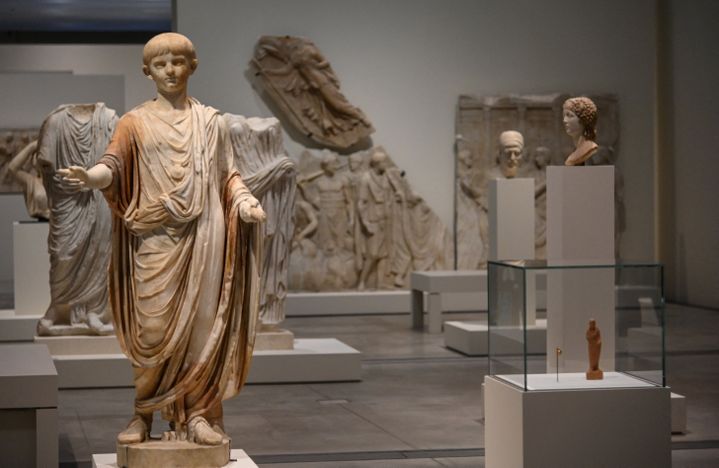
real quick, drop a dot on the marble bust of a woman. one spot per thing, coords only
(580, 122)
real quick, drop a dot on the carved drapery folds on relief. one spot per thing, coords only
(301, 82)
(19, 170)
(480, 121)
(80, 223)
(359, 225)
(268, 172)
(12, 141)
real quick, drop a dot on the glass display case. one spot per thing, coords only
(539, 324)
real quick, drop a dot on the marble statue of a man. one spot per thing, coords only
(185, 267)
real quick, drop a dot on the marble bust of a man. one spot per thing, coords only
(511, 153)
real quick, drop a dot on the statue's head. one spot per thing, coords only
(580, 118)
(169, 59)
(379, 161)
(542, 157)
(328, 163)
(511, 146)
(355, 162)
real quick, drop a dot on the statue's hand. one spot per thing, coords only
(74, 177)
(251, 211)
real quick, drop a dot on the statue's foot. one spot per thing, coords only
(200, 432)
(44, 327)
(137, 431)
(96, 325)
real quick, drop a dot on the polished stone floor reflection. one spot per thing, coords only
(418, 405)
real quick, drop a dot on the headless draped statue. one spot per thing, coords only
(184, 274)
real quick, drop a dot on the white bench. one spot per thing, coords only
(436, 283)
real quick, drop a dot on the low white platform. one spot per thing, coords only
(238, 459)
(471, 338)
(28, 406)
(438, 283)
(311, 360)
(372, 302)
(574, 381)
(598, 427)
(15, 327)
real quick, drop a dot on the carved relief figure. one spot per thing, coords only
(374, 210)
(186, 262)
(594, 345)
(579, 116)
(79, 231)
(300, 80)
(12, 141)
(539, 119)
(271, 177)
(542, 158)
(22, 168)
(360, 225)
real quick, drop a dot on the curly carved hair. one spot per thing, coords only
(586, 110)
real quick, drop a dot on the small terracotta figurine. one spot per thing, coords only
(594, 344)
(580, 122)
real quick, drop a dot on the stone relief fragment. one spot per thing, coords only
(359, 225)
(80, 222)
(301, 82)
(479, 123)
(22, 169)
(270, 174)
(12, 141)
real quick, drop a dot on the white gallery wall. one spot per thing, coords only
(405, 63)
(82, 59)
(691, 212)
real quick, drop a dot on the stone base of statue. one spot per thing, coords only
(273, 338)
(595, 374)
(180, 453)
(237, 459)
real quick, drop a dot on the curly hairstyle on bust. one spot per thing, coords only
(586, 110)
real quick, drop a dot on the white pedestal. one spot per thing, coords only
(580, 214)
(31, 270)
(305, 304)
(92, 362)
(511, 219)
(238, 459)
(580, 229)
(28, 406)
(436, 283)
(598, 427)
(15, 327)
(679, 413)
(31, 267)
(471, 338)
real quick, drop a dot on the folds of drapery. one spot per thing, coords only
(220, 369)
(79, 234)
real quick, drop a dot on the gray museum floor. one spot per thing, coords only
(418, 404)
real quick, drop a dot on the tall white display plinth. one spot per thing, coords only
(511, 231)
(617, 422)
(31, 269)
(580, 229)
(511, 219)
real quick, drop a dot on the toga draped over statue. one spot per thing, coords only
(184, 283)
(79, 231)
